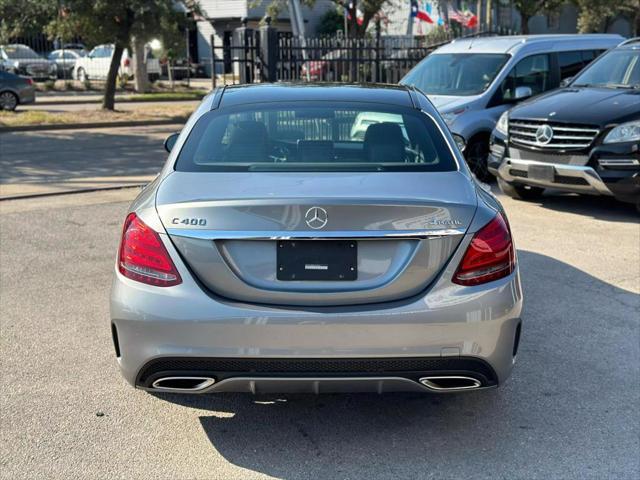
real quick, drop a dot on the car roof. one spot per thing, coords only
(282, 92)
(514, 43)
(631, 44)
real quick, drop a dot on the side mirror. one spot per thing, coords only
(170, 141)
(523, 92)
(566, 82)
(460, 142)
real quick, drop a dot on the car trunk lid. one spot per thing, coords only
(238, 231)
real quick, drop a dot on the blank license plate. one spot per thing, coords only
(317, 260)
(542, 172)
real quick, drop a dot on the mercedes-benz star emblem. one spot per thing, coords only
(544, 134)
(316, 217)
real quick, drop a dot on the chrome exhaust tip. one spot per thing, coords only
(182, 384)
(450, 383)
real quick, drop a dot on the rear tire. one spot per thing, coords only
(81, 75)
(8, 101)
(520, 192)
(476, 154)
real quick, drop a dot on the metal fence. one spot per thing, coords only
(267, 55)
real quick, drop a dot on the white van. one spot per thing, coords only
(472, 81)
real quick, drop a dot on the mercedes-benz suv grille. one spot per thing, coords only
(549, 135)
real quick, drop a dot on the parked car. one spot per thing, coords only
(582, 138)
(180, 68)
(473, 81)
(65, 61)
(274, 252)
(21, 60)
(95, 65)
(15, 90)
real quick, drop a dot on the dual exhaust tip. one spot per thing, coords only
(449, 383)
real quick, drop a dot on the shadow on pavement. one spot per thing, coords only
(569, 404)
(595, 206)
(55, 156)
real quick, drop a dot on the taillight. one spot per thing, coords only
(29, 80)
(489, 256)
(127, 62)
(143, 257)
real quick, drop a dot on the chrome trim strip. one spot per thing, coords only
(534, 126)
(618, 162)
(315, 235)
(551, 145)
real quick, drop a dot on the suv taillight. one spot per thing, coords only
(489, 256)
(127, 62)
(143, 257)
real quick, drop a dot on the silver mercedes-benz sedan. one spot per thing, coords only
(315, 238)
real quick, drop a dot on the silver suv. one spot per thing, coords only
(473, 81)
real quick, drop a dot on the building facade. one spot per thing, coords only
(224, 16)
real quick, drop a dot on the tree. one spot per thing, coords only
(119, 22)
(331, 22)
(597, 15)
(369, 9)
(24, 17)
(530, 8)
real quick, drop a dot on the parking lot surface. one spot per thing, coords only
(54, 161)
(570, 409)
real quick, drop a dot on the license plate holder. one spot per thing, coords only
(545, 173)
(317, 260)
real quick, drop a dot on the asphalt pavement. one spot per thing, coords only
(55, 161)
(569, 411)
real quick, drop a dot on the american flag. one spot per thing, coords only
(456, 15)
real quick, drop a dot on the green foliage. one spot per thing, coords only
(330, 22)
(24, 17)
(530, 8)
(596, 15)
(369, 9)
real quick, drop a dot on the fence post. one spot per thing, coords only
(240, 51)
(213, 61)
(268, 51)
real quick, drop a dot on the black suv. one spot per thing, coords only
(584, 137)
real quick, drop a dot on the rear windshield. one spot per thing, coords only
(306, 136)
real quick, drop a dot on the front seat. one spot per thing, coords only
(384, 142)
(248, 142)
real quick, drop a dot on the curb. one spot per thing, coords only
(71, 192)
(127, 100)
(74, 126)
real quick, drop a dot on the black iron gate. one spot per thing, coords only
(267, 55)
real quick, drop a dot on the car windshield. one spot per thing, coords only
(18, 51)
(616, 69)
(319, 137)
(456, 74)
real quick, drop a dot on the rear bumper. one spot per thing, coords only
(445, 325)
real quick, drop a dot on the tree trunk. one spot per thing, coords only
(109, 99)
(140, 77)
(524, 23)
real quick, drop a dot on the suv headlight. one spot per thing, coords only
(625, 132)
(503, 124)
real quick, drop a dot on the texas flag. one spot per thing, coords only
(420, 14)
(359, 13)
